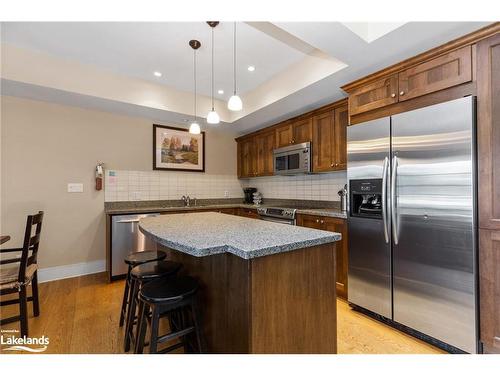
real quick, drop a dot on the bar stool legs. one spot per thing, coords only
(125, 297)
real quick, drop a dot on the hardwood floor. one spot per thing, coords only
(80, 315)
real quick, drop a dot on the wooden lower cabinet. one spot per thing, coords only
(333, 225)
(489, 289)
(248, 212)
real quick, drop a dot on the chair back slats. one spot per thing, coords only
(31, 243)
(34, 240)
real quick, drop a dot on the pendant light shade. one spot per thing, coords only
(234, 103)
(213, 116)
(194, 128)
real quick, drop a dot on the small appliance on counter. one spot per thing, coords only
(257, 198)
(249, 194)
(343, 198)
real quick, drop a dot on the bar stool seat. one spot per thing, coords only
(132, 260)
(141, 257)
(175, 299)
(169, 291)
(155, 269)
(139, 276)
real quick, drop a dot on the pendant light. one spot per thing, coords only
(234, 103)
(213, 116)
(194, 128)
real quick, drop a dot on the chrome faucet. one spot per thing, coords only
(186, 200)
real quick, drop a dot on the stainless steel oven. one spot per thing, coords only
(293, 159)
(277, 215)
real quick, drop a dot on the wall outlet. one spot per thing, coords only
(75, 187)
(226, 194)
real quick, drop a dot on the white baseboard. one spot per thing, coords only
(71, 270)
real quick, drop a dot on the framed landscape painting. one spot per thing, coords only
(175, 149)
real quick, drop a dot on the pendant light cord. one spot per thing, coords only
(194, 60)
(212, 68)
(234, 56)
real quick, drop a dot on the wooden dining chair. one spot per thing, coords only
(16, 279)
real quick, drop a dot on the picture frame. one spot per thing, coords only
(175, 149)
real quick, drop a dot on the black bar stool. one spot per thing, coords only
(175, 299)
(140, 275)
(132, 260)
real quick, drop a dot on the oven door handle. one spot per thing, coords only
(280, 221)
(385, 170)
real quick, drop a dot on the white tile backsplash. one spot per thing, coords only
(309, 187)
(120, 185)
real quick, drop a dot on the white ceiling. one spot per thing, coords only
(138, 49)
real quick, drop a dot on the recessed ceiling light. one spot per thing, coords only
(157, 74)
(251, 68)
(220, 92)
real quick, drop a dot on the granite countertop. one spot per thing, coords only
(131, 209)
(208, 233)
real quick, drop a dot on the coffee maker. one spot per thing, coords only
(249, 194)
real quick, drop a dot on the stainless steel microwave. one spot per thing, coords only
(293, 159)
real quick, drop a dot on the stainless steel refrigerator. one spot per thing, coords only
(412, 220)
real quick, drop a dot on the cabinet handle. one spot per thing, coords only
(331, 165)
(317, 220)
(322, 222)
(402, 93)
(393, 95)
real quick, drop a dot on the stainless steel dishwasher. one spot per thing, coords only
(126, 238)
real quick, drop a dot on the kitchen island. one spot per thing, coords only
(265, 287)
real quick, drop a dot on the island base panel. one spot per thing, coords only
(281, 303)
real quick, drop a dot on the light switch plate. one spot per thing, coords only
(75, 187)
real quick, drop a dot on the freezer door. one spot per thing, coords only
(126, 238)
(369, 270)
(434, 222)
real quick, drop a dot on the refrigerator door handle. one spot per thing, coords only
(385, 169)
(393, 199)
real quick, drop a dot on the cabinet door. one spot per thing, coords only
(374, 95)
(302, 131)
(489, 289)
(488, 130)
(339, 159)
(248, 158)
(265, 145)
(339, 226)
(309, 221)
(437, 74)
(284, 135)
(248, 212)
(323, 142)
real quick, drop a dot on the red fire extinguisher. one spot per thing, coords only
(99, 173)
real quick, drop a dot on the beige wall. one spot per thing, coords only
(44, 146)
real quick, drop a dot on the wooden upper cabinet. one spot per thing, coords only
(302, 131)
(264, 148)
(323, 141)
(248, 160)
(340, 136)
(330, 140)
(488, 131)
(374, 95)
(437, 74)
(284, 135)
